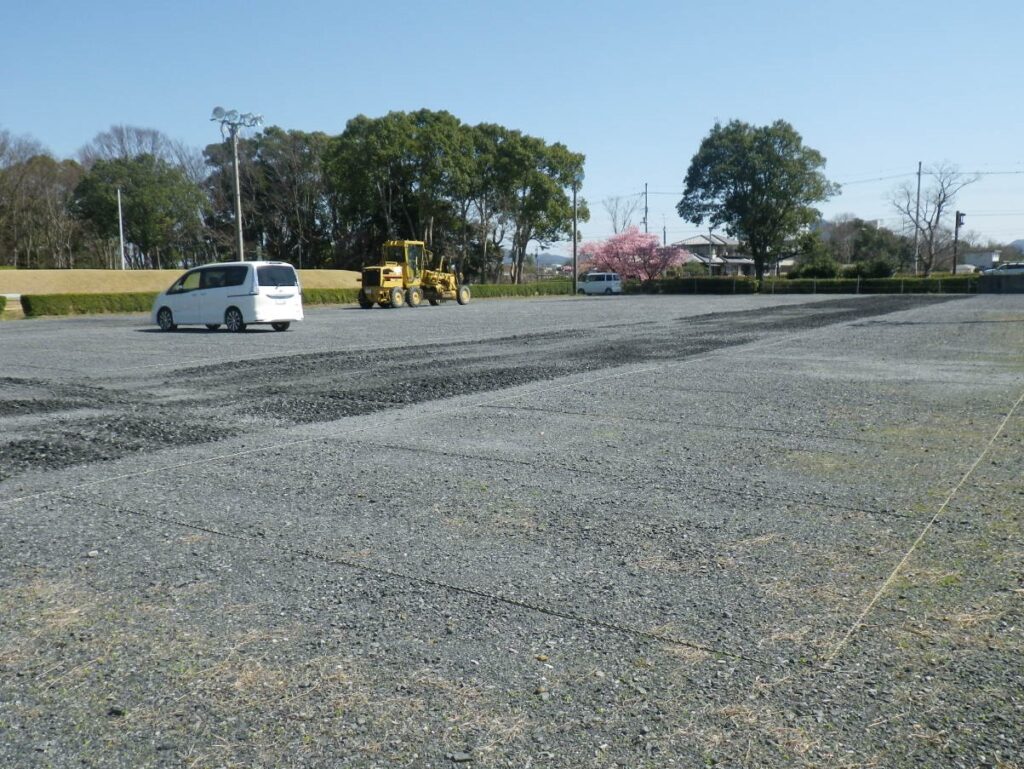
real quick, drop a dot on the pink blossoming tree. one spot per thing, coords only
(633, 254)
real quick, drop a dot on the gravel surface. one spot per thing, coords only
(628, 531)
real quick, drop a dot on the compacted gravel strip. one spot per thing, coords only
(629, 538)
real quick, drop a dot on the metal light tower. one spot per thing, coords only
(230, 121)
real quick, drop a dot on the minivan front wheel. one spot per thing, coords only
(233, 320)
(282, 326)
(165, 319)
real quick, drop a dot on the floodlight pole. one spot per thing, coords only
(230, 122)
(238, 194)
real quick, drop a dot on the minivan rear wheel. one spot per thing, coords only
(233, 320)
(282, 326)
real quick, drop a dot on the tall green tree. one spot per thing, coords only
(759, 183)
(427, 176)
(284, 196)
(162, 209)
(534, 183)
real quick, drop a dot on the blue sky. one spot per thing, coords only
(874, 86)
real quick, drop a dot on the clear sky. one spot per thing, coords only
(874, 86)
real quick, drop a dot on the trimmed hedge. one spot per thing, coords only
(3, 303)
(329, 295)
(958, 284)
(35, 305)
(541, 288)
(722, 285)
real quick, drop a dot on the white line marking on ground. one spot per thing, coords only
(903, 562)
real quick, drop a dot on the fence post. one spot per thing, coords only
(858, 284)
(814, 285)
(734, 285)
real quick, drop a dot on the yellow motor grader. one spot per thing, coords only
(406, 274)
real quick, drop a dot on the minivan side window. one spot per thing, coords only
(212, 278)
(235, 276)
(273, 275)
(188, 282)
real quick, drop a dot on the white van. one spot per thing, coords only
(236, 294)
(600, 283)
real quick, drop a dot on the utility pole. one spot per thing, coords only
(956, 236)
(575, 269)
(664, 231)
(917, 219)
(711, 250)
(230, 121)
(120, 226)
(645, 206)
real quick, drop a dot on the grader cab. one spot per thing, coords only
(407, 274)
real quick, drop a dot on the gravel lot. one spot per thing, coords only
(627, 531)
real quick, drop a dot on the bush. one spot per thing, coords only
(329, 295)
(815, 266)
(3, 303)
(35, 305)
(876, 267)
(721, 285)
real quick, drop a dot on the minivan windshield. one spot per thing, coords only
(274, 275)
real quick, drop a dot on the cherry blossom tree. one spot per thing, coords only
(633, 254)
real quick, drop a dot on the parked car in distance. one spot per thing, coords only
(1010, 268)
(235, 294)
(600, 283)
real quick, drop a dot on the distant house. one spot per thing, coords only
(983, 260)
(719, 254)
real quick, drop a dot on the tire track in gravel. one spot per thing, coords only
(207, 401)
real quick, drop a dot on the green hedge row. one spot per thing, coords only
(958, 284)
(3, 303)
(723, 285)
(35, 305)
(541, 288)
(329, 295)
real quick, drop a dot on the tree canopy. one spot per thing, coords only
(162, 209)
(479, 194)
(759, 183)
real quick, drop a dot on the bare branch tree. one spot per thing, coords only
(937, 201)
(621, 210)
(123, 142)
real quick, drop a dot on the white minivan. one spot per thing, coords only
(600, 283)
(236, 294)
